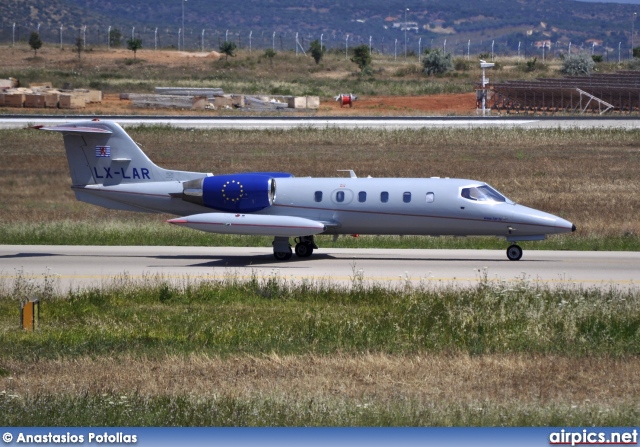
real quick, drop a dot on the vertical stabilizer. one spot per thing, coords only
(102, 153)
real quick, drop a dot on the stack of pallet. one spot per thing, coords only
(43, 95)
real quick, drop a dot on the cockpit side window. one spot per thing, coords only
(484, 193)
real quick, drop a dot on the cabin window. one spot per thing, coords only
(318, 196)
(406, 197)
(340, 196)
(362, 196)
(384, 196)
(430, 197)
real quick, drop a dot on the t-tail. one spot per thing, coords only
(109, 169)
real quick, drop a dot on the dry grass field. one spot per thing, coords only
(586, 176)
(427, 379)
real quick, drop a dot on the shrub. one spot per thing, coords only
(436, 62)
(580, 64)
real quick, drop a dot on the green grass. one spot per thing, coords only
(156, 317)
(156, 233)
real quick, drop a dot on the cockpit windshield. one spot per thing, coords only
(484, 193)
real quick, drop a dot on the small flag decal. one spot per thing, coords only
(103, 151)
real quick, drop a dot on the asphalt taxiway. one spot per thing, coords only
(88, 266)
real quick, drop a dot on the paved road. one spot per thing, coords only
(81, 266)
(243, 122)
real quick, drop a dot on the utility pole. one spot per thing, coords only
(346, 48)
(405, 34)
(183, 2)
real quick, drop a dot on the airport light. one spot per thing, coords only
(60, 36)
(179, 36)
(13, 34)
(155, 39)
(321, 36)
(469, 48)
(109, 38)
(250, 34)
(84, 36)
(273, 42)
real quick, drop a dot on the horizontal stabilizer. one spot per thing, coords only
(77, 129)
(251, 224)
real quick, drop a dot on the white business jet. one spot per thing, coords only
(108, 169)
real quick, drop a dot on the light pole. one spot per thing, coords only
(61, 36)
(633, 24)
(155, 39)
(109, 38)
(13, 35)
(405, 33)
(183, 2)
(346, 48)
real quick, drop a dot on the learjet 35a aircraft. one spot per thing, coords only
(108, 169)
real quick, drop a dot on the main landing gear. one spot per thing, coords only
(514, 252)
(282, 249)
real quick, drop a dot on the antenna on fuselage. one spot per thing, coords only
(352, 174)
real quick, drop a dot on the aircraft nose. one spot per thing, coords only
(573, 228)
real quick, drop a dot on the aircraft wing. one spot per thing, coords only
(252, 224)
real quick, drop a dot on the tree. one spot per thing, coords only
(35, 43)
(79, 45)
(437, 62)
(636, 52)
(134, 45)
(270, 54)
(580, 64)
(228, 48)
(115, 38)
(361, 57)
(316, 51)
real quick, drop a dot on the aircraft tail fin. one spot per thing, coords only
(102, 153)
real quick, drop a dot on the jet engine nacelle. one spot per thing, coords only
(232, 192)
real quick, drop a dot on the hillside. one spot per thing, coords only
(506, 22)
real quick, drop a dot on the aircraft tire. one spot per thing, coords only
(514, 253)
(282, 255)
(304, 249)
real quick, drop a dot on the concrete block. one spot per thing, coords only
(14, 99)
(34, 100)
(313, 102)
(51, 100)
(297, 102)
(71, 101)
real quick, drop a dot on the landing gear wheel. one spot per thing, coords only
(282, 255)
(304, 249)
(514, 253)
